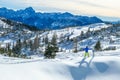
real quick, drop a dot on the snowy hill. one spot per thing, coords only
(12, 31)
(99, 31)
(47, 20)
(73, 67)
(67, 65)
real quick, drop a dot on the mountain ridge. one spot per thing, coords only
(47, 20)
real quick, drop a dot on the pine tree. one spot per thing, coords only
(24, 43)
(9, 52)
(68, 38)
(52, 48)
(36, 42)
(49, 52)
(88, 32)
(31, 45)
(54, 43)
(17, 48)
(82, 35)
(75, 45)
(7, 47)
(54, 39)
(46, 40)
(97, 46)
(61, 39)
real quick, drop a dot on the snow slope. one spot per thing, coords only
(66, 66)
(76, 31)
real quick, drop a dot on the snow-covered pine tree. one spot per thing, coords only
(54, 43)
(46, 39)
(75, 45)
(36, 42)
(82, 35)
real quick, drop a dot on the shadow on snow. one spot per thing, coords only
(81, 72)
(84, 69)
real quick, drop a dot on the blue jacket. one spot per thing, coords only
(87, 49)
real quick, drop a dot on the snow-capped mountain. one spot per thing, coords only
(47, 20)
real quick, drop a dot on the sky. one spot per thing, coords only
(109, 8)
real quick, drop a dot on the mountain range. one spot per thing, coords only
(47, 20)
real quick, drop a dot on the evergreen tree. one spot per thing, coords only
(52, 48)
(17, 48)
(54, 39)
(24, 44)
(97, 46)
(75, 45)
(46, 40)
(68, 38)
(61, 39)
(7, 47)
(88, 32)
(54, 43)
(81, 35)
(36, 42)
(9, 51)
(49, 52)
(31, 45)
(43, 40)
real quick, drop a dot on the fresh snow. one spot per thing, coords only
(76, 31)
(66, 66)
(105, 65)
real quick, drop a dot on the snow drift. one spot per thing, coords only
(69, 68)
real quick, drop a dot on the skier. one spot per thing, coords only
(86, 51)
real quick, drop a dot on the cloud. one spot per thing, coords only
(92, 7)
(91, 4)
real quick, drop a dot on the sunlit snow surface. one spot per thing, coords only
(66, 66)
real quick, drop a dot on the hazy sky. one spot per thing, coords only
(91, 7)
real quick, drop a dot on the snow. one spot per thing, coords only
(66, 66)
(73, 32)
(76, 31)
(105, 65)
